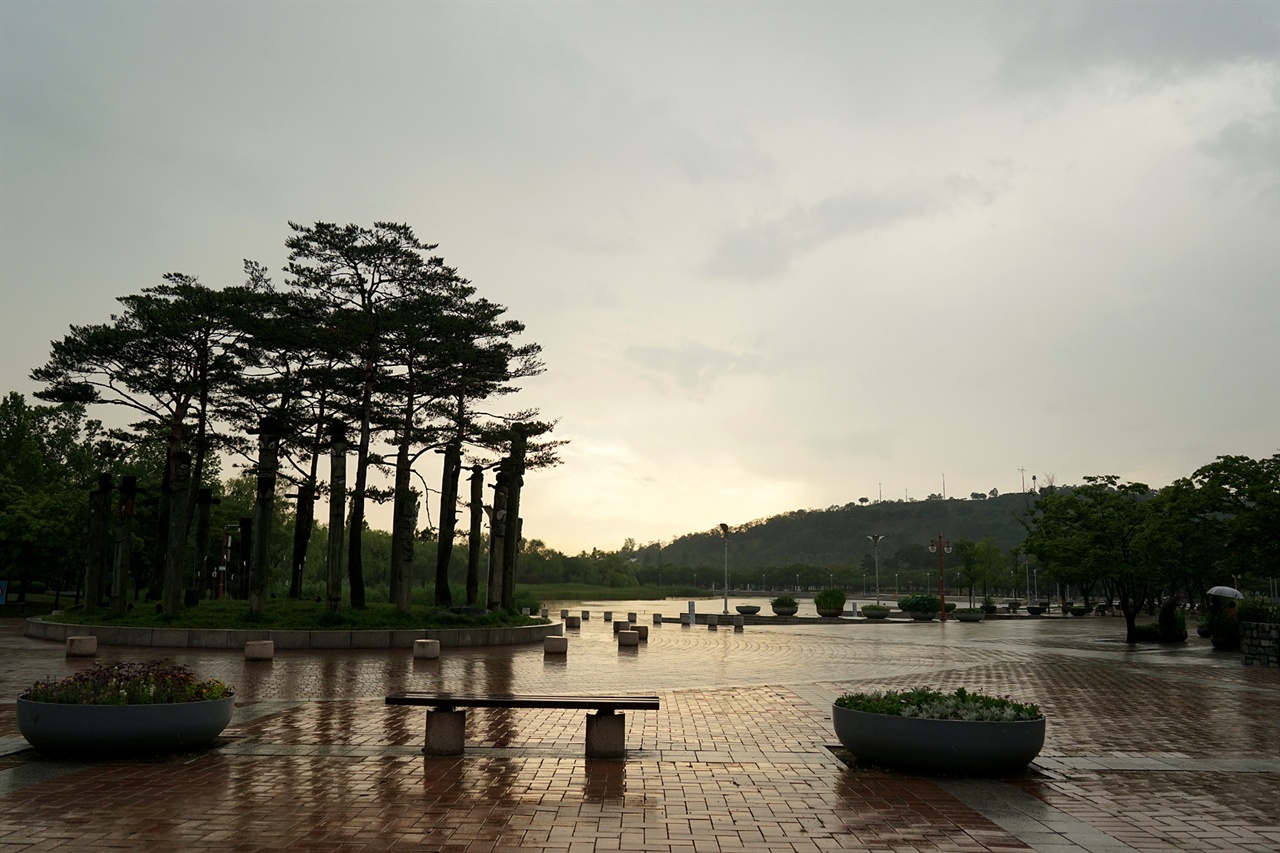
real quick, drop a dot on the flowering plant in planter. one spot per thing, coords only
(934, 705)
(923, 730)
(125, 708)
(155, 683)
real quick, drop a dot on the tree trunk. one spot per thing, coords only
(448, 520)
(337, 518)
(123, 545)
(355, 559)
(497, 539)
(99, 536)
(268, 446)
(204, 505)
(304, 521)
(179, 496)
(473, 540)
(511, 547)
(404, 518)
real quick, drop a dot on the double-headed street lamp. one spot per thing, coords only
(940, 546)
(875, 544)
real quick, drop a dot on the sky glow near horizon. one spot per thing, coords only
(778, 256)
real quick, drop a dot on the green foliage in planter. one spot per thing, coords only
(829, 598)
(784, 601)
(155, 683)
(951, 606)
(920, 604)
(1255, 608)
(970, 610)
(867, 607)
(934, 705)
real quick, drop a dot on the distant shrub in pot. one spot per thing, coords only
(829, 602)
(875, 611)
(920, 606)
(784, 605)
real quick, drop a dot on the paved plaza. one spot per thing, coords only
(1148, 749)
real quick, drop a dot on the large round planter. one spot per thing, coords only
(1035, 609)
(1225, 644)
(830, 612)
(784, 611)
(970, 617)
(748, 609)
(939, 746)
(921, 617)
(989, 609)
(116, 729)
(1079, 611)
(875, 613)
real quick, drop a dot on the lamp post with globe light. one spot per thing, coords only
(940, 546)
(875, 544)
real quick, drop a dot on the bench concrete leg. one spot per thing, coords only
(82, 647)
(606, 735)
(426, 649)
(446, 732)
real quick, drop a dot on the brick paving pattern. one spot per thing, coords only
(1148, 749)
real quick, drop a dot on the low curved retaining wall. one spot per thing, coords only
(216, 638)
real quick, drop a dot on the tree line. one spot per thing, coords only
(372, 348)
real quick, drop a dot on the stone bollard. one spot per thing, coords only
(684, 619)
(628, 638)
(82, 647)
(643, 631)
(426, 649)
(712, 619)
(259, 649)
(738, 623)
(564, 614)
(619, 626)
(555, 646)
(608, 616)
(524, 611)
(657, 618)
(573, 621)
(631, 617)
(586, 615)
(545, 611)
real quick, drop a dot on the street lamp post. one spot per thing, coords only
(724, 531)
(941, 546)
(875, 544)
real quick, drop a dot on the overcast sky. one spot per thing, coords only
(779, 256)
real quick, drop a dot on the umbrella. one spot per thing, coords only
(1226, 592)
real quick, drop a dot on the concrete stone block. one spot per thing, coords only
(628, 638)
(426, 650)
(643, 632)
(544, 613)
(82, 647)
(608, 616)
(573, 621)
(586, 615)
(738, 623)
(685, 619)
(631, 617)
(446, 732)
(619, 626)
(712, 620)
(657, 618)
(555, 645)
(524, 611)
(259, 650)
(564, 614)
(606, 735)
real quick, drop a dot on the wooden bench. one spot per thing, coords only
(447, 722)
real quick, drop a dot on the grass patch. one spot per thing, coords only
(588, 592)
(286, 615)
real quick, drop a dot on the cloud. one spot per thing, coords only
(1247, 148)
(766, 249)
(692, 366)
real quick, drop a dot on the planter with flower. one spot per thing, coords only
(784, 605)
(926, 731)
(922, 608)
(829, 602)
(125, 708)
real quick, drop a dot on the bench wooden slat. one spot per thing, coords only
(510, 700)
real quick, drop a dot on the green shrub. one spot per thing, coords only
(920, 604)
(829, 598)
(933, 705)
(1255, 608)
(874, 607)
(1148, 633)
(784, 601)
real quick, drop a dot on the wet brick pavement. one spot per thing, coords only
(1148, 749)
